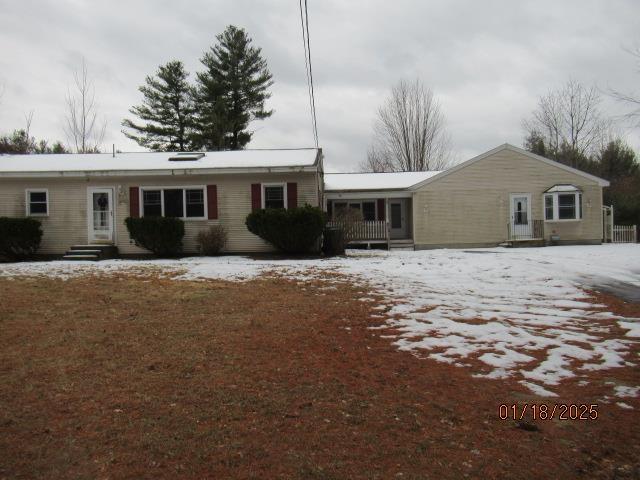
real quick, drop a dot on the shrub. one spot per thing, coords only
(295, 230)
(333, 241)
(212, 240)
(161, 235)
(19, 237)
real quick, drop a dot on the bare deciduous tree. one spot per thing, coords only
(631, 99)
(568, 119)
(85, 132)
(409, 132)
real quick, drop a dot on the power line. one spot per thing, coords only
(304, 21)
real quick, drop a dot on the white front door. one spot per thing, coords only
(399, 223)
(100, 214)
(520, 216)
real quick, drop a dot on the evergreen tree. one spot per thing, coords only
(167, 109)
(231, 91)
(20, 142)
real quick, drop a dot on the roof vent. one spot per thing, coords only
(185, 156)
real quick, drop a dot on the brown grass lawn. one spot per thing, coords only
(123, 377)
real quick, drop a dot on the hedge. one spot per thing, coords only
(161, 235)
(295, 230)
(19, 237)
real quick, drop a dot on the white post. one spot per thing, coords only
(612, 221)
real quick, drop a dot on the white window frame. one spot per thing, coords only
(263, 196)
(27, 196)
(184, 200)
(556, 207)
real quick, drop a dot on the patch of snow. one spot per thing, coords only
(520, 312)
(623, 391)
(626, 406)
(538, 390)
(633, 327)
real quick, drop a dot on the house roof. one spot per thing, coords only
(374, 181)
(600, 181)
(157, 163)
(562, 187)
(354, 182)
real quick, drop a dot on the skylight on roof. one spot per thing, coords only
(184, 156)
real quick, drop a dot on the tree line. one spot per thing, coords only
(568, 126)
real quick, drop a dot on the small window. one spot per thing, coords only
(152, 203)
(567, 206)
(37, 202)
(548, 207)
(339, 209)
(195, 203)
(369, 211)
(173, 206)
(274, 196)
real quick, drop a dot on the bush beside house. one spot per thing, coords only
(293, 230)
(212, 240)
(19, 237)
(160, 235)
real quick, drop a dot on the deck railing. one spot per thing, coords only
(529, 231)
(364, 230)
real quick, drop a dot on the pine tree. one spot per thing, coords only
(167, 109)
(232, 91)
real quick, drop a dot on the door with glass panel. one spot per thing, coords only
(100, 215)
(520, 216)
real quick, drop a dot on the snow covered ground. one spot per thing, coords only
(521, 312)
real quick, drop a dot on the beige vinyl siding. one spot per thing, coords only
(472, 205)
(67, 221)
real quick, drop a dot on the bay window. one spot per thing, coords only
(563, 202)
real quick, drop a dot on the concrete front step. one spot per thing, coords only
(91, 252)
(81, 257)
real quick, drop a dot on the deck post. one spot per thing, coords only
(387, 225)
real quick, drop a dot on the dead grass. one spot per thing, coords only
(124, 377)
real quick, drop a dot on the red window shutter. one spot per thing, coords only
(212, 202)
(292, 195)
(256, 196)
(381, 212)
(134, 202)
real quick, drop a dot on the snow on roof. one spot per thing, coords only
(155, 161)
(563, 187)
(374, 181)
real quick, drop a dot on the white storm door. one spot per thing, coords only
(100, 214)
(521, 216)
(398, 219)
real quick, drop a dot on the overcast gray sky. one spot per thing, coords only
(486, 61)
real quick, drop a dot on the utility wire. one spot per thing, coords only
(304, 21)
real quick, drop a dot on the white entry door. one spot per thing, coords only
(100, 214)
(521, 216)
(399, 223)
